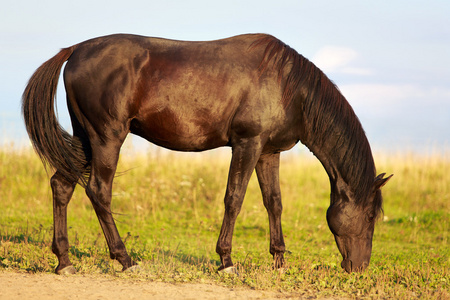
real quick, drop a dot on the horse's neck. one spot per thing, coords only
(329, 163)
(349, 163)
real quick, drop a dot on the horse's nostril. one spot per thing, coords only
(346, 264)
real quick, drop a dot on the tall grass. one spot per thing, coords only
(169, 209)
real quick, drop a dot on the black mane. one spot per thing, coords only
(333, 129)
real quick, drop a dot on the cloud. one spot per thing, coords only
(333, 59)
(402, 114)
(394, 93)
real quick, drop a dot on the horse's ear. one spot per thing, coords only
(380, 181)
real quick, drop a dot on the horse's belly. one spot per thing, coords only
(180, 132)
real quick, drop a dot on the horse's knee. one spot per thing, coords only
(274, 205)
(232, 211)
(277, 207)
(233, 205)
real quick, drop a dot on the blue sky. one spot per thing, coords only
(391, 59)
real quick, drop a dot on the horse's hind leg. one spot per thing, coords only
(62, 190)
(103, 167)
(267, 170)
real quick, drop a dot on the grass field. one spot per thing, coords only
(169, 209)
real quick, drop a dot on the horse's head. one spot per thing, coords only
(353, 223)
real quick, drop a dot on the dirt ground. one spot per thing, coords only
(14, 285)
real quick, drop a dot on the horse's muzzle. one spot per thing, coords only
(349, 266)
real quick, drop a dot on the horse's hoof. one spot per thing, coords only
(230, 270)
(133, 269)
(70, 270)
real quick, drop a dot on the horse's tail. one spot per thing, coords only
(56, 147)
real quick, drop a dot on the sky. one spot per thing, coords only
(390, 59)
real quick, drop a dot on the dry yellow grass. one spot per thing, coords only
(170, 208)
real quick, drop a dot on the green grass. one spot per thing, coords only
(169, 209)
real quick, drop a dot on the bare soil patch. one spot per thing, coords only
(15, 285)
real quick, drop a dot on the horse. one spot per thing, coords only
(250, 92)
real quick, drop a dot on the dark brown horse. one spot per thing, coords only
(250, 92)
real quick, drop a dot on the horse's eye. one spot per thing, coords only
(370, 218)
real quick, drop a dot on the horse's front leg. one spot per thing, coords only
(243, 161)
(267, 170)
